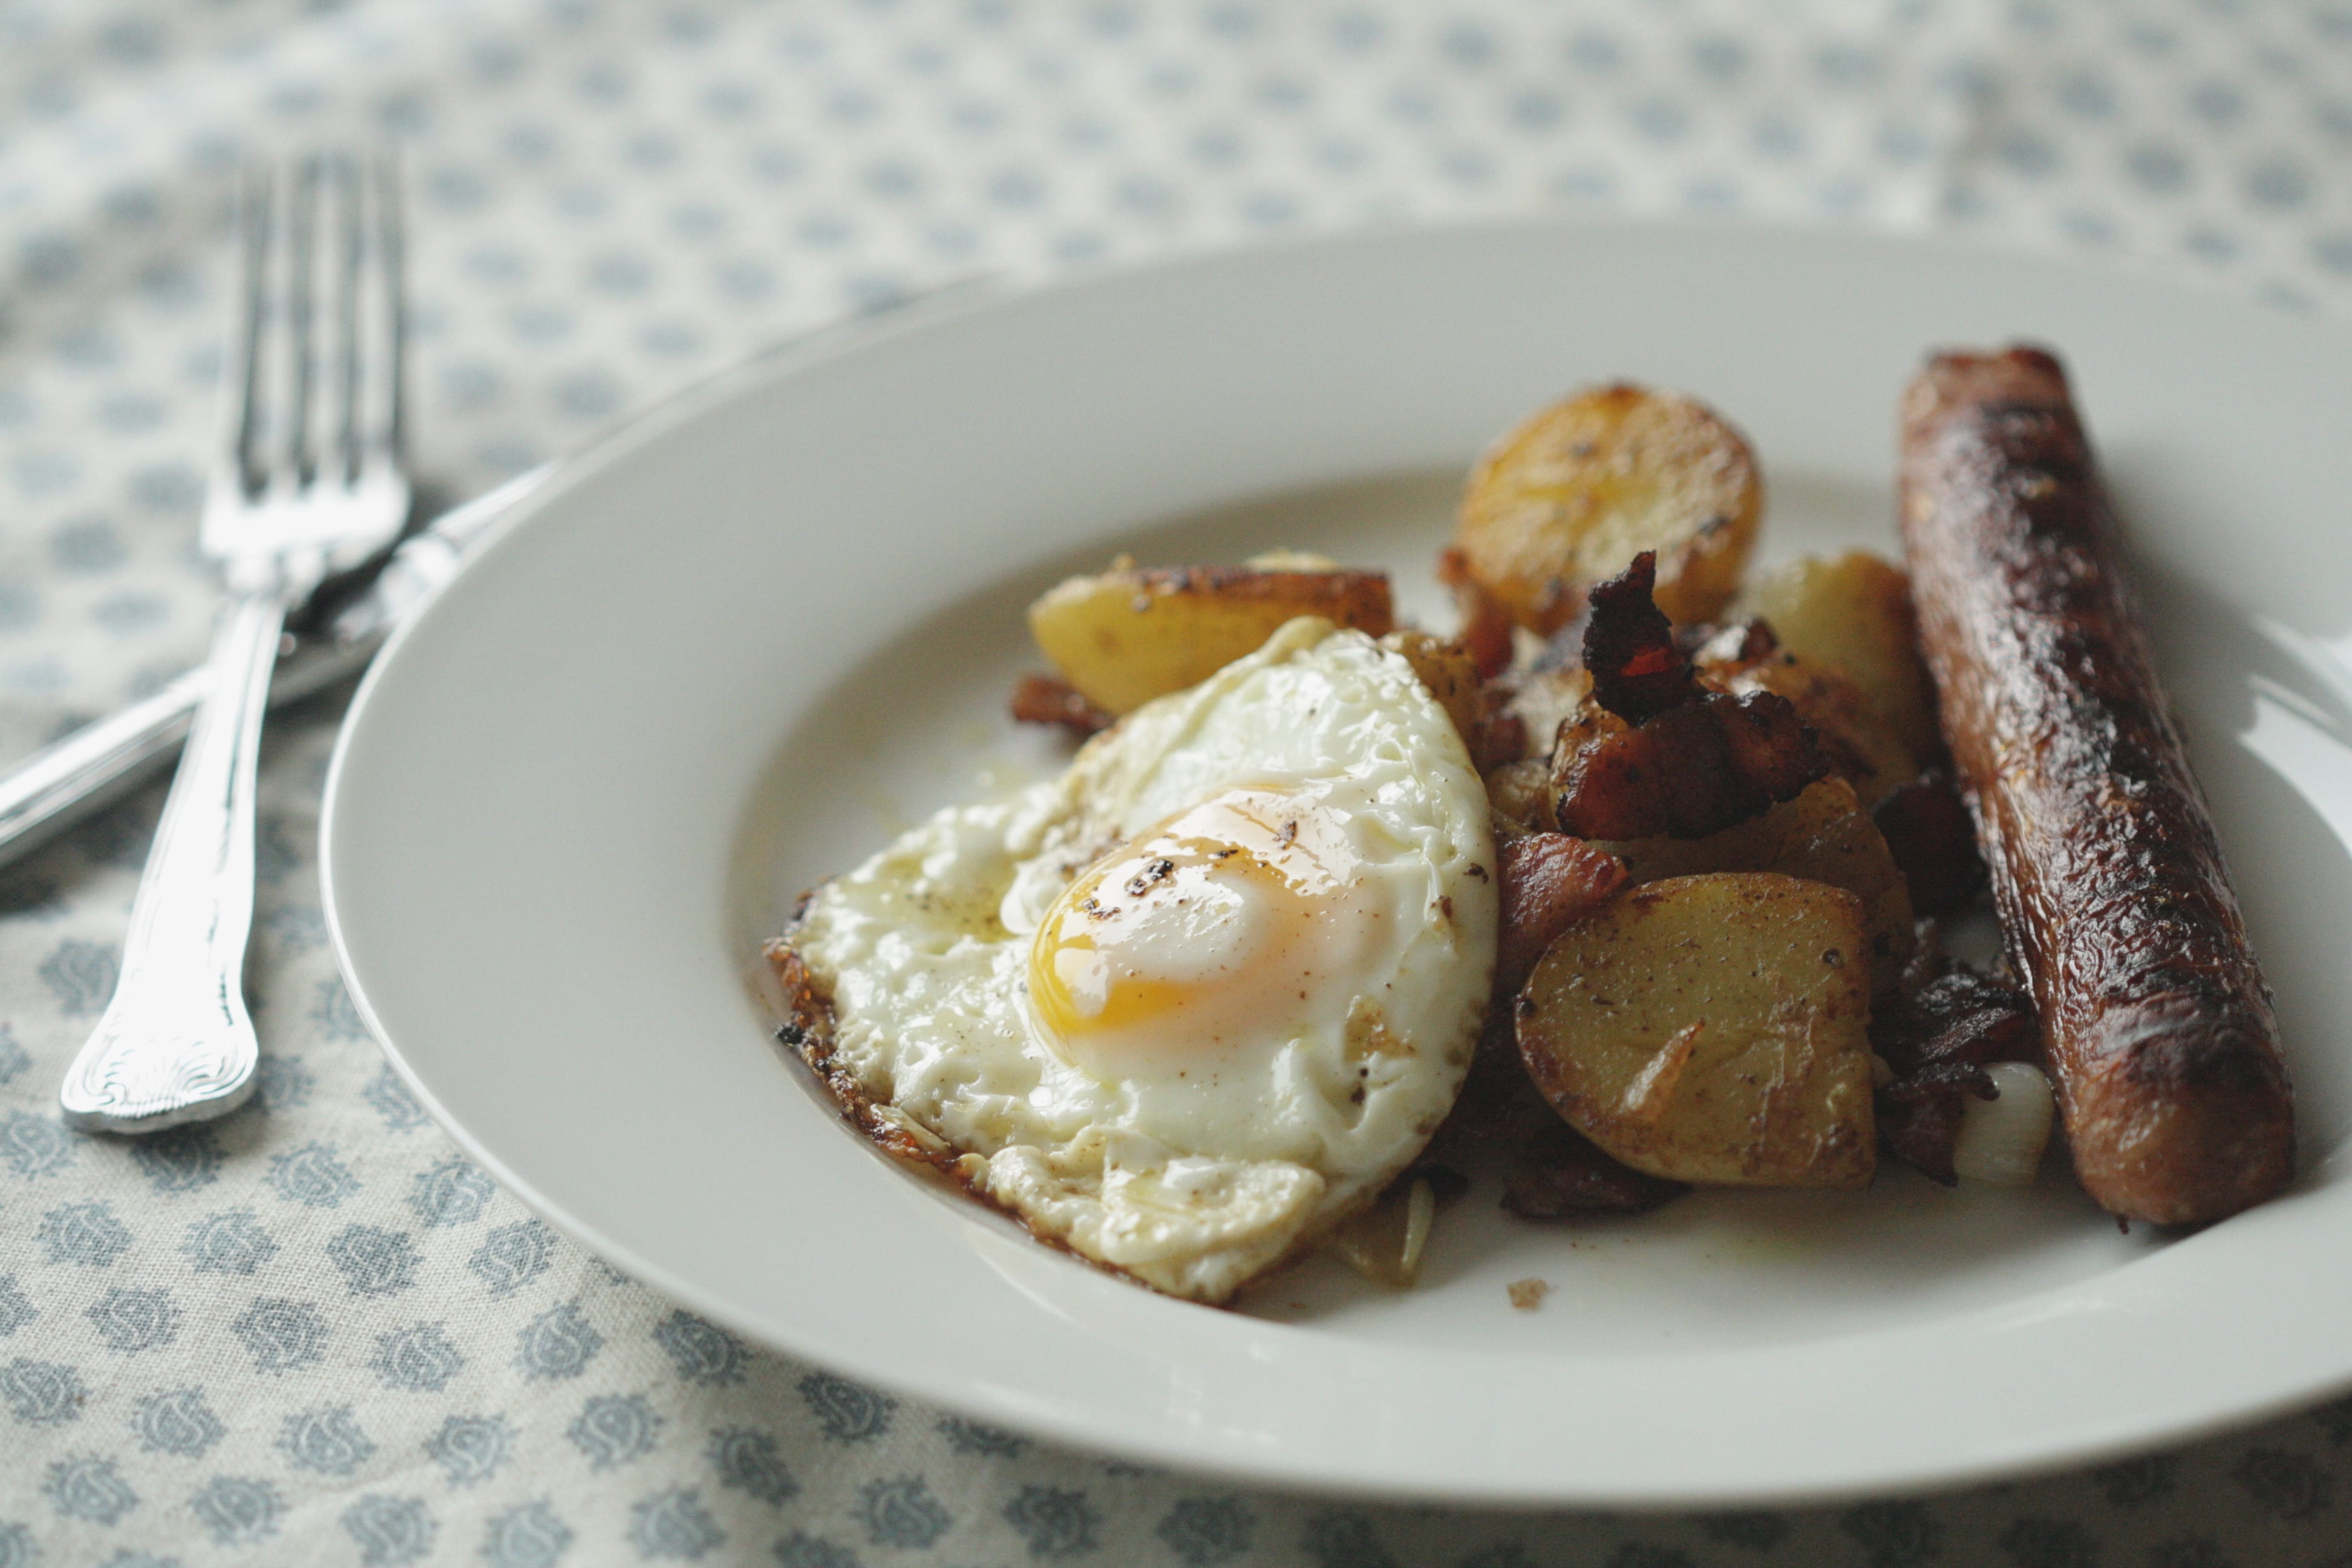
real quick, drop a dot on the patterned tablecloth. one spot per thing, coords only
(314, 1332)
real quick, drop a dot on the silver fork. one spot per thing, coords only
(309, 480)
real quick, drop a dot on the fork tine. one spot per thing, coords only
(340, 449)
(235, 468)
(288, 355)
(327, 408)
(379, 330)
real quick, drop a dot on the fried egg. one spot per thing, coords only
(1186, 1008)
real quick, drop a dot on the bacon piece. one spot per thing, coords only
(1938, 1042)
(1927, 831)
(1549, 882)
(1638, 672)
(1485, 634)
(1651, 749)
(1689, 772)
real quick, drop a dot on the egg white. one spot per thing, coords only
(1190, 1164)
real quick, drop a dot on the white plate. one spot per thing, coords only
(726, 653)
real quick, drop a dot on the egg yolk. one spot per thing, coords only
(1235, 922)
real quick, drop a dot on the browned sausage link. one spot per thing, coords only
(2118, 915)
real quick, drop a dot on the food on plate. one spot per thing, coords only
(1550, 882)
(1940, 1036)
(1187, 1008)
(1485, 632)
(1388, 1241)
(2158, 1028)
(1652, 748)
(1928, 834)
(1558, 1172)
(1449, 675)
(1124, 636)
(1821, 836)
(1050, 699)
(2000, 1140)
(1570, 496)
(1851, 612)
(1599, 889)
(1859, 745)
(1712, 1028)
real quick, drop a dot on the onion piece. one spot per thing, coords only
(2001, 1140)
(1420, 1214)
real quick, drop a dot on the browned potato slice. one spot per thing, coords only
(1823, 836)
(1712, 1029)
(1132, 634)
(1450, 675)
(1853, 612)
(1573, 494)
(1863, 747)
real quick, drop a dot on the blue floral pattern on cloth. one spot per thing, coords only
(315, 1331)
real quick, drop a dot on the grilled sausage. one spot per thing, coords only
(2118, 915)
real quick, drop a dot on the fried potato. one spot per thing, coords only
(1712, 1029)
(1450, 676)
(1493, 735)
(1823, 836)
(1862, 747)
(1570, 498)
(1852, 613)
(1131, 634)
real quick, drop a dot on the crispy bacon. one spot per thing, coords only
(1637, 670)
(1549, 882)
(1927, 831)
(1938, 1042)
(1049, 699)
(1652, 749)
(1499, 740)
(1689, 772)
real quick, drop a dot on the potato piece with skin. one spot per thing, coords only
(1853, 612)
(1450, 676)
(1823, 836)
(1712, 1029)
(1570, 498)
(1492, 735)
(1131, 634)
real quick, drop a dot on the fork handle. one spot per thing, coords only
(176, 1043)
